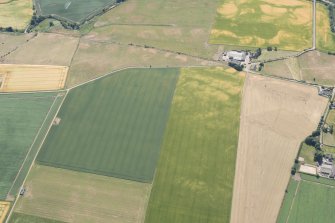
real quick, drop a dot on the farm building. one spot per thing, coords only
(236, 55)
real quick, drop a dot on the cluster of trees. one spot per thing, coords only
(236, 66)
(8, 29)
(270, 48)
(331, 17)
(314, 140)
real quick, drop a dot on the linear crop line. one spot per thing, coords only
(32, 163)
(295, 194)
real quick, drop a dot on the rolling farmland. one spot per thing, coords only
(122, 117)
(73, 10)
(87, 197)
(16, 14)
(284, 24)
(276, 117)
(21, 117)
(194, 179)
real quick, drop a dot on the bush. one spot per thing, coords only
(269, 48)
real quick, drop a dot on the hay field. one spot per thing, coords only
(313, 202)
(122, 117)
(47, 49)
(4, 208)
(17, 78)
(195, 174)
(181, 26)
(74, 10)
(276, 117)
(86, 66)
(21, 117)
(76, 197)
(16, 14)
(253, 23)
(325, 39)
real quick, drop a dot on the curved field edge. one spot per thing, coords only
(194, 178)
(122, 116)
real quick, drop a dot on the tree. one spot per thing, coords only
(269, 48)
(318, 156)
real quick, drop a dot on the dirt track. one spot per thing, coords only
(276, 116)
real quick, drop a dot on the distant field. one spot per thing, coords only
(21, 117)
(281, 23)
(72, 196)
(324, 37)
(314, 202)
(24, 218)
(181, 26)
(18, 77)
(16, 14)
(113, 126)
(74, 10)
(194, 179)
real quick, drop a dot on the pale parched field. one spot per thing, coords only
(16, 14)
(276, 116)
(15, 78)
(4, 208)
(45, 49)
(325, 39)
(76, 197)
(286, 24)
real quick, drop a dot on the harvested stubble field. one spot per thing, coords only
(16, 78)
(4, 208)
(47, 49)
(16, 14)
(77, 197)
(324, 37)
(313, 202)
(21, 117)
(276, 117)
(282, 23)
(24, 218)
(85, 66)
(122, 117)
(194, 179)
(181, 26)
(73, 10)
(312, 67)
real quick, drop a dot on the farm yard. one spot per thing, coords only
(87, 197)
(284, 24)
(324, 37)
(122, 117)
(269, 139)
(15, 14)
(312, 202)
(21, 117)
(17, 78)
(199, 149)
(72, 10)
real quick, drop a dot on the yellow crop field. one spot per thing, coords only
(4, 208)
(15, 78)
(16, 14)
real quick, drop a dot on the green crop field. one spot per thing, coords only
(74, 10)
(21, 117)
(253, 23)
(113, 126)
(325, 39)
(288, 199)
(72, 196)
(314, 202)
(16, 14)
(194, 179)
(23, 218)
